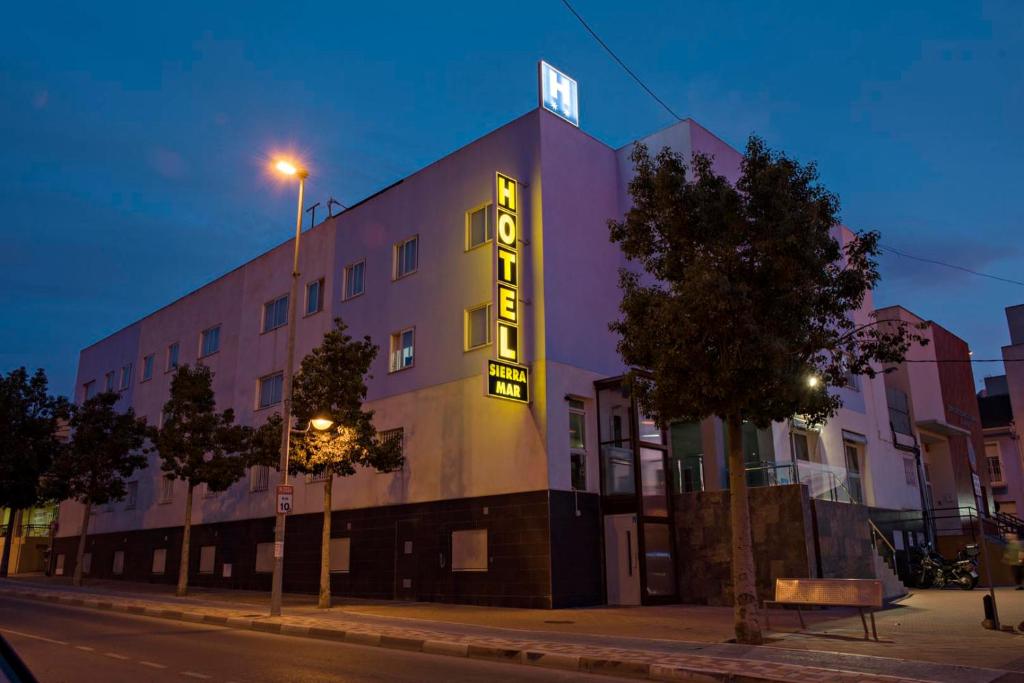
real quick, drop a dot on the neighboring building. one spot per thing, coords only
(1002, 447)
(568, 496)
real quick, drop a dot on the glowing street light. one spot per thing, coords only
(813, 381)
(322, 421)
(286, 167)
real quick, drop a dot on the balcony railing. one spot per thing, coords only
(825, 482)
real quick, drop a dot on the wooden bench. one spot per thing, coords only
(864, 594)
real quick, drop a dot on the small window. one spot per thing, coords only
(340, 548)
(259, 478)
(88, 389)
(207, 553)
(118, 568)
(172, 357)
(159, 561)
(469, 550)
(108, 381)
(407, 258)
(401, 350)
(210, 342)
(271, 388)
(478, 326)
(275, 313)
(578, 445)
(264, 558)
(390, 435)
(126, 375)
(354, 279)
(147, 367)
(131, 498)
(910, 471)
(995, 463)
(801, 451)
(315, 297)
(167, 489)
(478, 226)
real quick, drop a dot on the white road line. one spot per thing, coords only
(86, 648)
(151, 665)
(29, 635)
(193, 674)
(116, 656)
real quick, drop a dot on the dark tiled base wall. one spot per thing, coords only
(542, 554)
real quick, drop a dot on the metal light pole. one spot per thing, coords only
(278, 576)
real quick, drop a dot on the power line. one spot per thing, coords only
(950, 265)
(620, 62)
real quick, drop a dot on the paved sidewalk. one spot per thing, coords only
(376, 623)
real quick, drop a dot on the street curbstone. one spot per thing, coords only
(443, 647)
(195, 617)
(661, 672)
(399, 643)
(327, 633)
(615, 667)
(361, 638)
(266, 626)
(552, 660)
(294, 630)
(136, 609)
(217, 619)
(239, 622)
(491, 652)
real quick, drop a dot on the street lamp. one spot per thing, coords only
(288, 168)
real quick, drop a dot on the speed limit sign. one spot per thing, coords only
(284, 499)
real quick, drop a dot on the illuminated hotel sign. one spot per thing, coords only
(505, 378)
(558, 94)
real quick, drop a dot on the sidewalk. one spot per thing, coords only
(664, 643)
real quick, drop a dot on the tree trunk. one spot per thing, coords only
(325, 547)
(185, 540)
(744, 577)
(12, 524)
(80, 557)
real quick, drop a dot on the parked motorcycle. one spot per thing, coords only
(933, 570)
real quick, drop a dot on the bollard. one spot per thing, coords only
(990, 613)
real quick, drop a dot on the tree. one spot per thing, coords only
(332, 382)
(29, 419)
(106, 447)
(744, 308)
(199, 445)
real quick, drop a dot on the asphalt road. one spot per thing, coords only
(61, 643)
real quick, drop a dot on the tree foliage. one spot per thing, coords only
(746, 292)
(29, 420)
(106, 448)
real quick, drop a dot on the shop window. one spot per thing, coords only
(469, 550)
(340, 549)
(159, 561)
(207, 554)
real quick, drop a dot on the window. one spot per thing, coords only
(87, 390)
(207, 553)
(108, 381)
(853, 484)
(315, 297)
(275, 313)
(159, 561)
(910, 471)
(340, 553)
(469, 550)
(401, 350)
(264, 558)
(995, 464)
(389, 435)
(354, 279)
(172, 357)
(578, 445)
(167, 489)
(126, 375)
(131, 498)
(259, 478)
(271, 388)
(478, 326)
(210, 342)
(147, 367)
(478, 226)
(406, 257)
(800, 448)
(899, 411)
(118, 567)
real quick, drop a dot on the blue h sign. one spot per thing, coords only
(558, 94)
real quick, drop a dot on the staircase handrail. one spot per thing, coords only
(878, 532)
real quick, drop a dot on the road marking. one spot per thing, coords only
(193, 674)
(151, 665)
(84, 647)
(29, 635)
(115, 655)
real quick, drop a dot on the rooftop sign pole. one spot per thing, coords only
(557, 93)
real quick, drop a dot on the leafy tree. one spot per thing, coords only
(106, 447)
(29, 419)
(199, 445)
(331, 382)
(744, 308)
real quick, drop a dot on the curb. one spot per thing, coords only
(553, 660)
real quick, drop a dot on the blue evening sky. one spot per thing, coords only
(135, 134)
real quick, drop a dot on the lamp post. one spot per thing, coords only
(288, 169)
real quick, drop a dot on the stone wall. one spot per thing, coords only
(843, 539)
(782, 534)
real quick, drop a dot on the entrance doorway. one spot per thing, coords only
(622, 559)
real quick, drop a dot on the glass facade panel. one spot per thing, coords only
(686, 458)
(660, 569)
(649, 430)
(618, 470)
(652, 476)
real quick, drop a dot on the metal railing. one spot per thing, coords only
(824, 482)
(883, 546)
